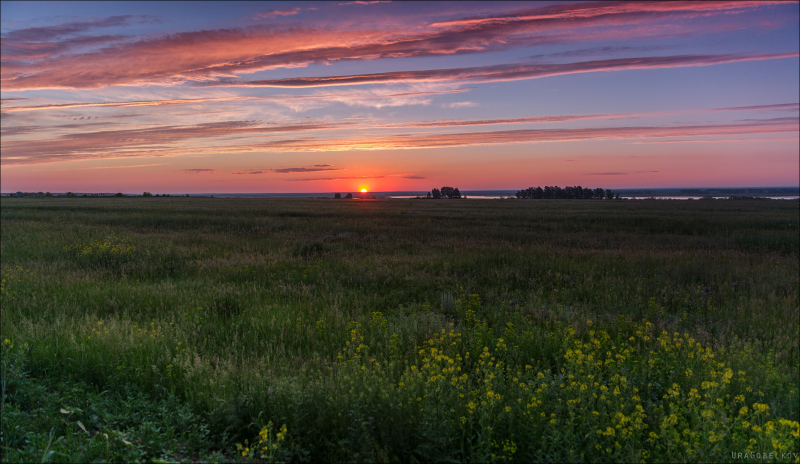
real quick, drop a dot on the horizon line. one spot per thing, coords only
(414, 191)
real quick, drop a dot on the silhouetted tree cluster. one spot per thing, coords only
(556, 192)
(445, 192)
(337, 195)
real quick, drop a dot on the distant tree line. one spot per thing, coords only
(576, 192)
(89, 195)
(445, 192)
(148, 194)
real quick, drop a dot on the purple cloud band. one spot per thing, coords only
(215, 54)
(507, 72)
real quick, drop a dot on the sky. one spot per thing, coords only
(185, 97)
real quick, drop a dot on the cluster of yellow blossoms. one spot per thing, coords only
(628, 397)
(11, 280)
(111, 249)
(268, 446)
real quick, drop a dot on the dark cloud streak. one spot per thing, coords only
(40, 34)
(507, 72)
(293, 170)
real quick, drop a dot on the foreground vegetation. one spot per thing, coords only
(184, 329)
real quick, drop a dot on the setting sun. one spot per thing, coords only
(363, 190)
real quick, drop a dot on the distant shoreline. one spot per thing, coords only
(638, 193)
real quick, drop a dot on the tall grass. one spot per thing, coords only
(414, 330)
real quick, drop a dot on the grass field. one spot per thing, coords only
(178, 329)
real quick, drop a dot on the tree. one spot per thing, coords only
(436, 194)
(568, 192)
(337, 195)
(531, 192)
(48, 194)
(147, 194)
(450, 192)
(349, 196)
(118, 194)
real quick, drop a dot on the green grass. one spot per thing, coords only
(403, 330)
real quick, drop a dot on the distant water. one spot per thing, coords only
(774, 193)
(470, 194)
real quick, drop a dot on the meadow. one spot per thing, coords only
(272, 330)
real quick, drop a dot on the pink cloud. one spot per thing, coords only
(158, 141)
(464, 104)
(274, 13)
(118, 104)
(228, 53)
(528, 136)
(238, 136)
(376, 98)
(577, 11)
